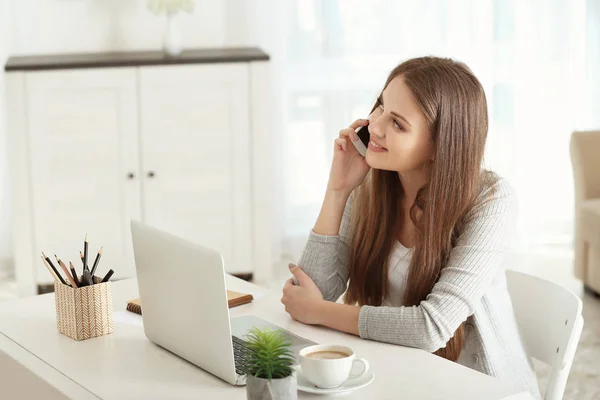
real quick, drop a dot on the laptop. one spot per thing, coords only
(185, 309)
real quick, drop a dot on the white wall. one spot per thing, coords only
(81, 26)
(252, 23)
(593, 64)
(64, 26)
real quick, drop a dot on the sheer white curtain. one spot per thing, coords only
(331, 58)
(5, 220)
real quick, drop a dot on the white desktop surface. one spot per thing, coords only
(125, 365)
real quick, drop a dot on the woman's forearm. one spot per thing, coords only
(342, 317)
(330, 217)
(326, 256)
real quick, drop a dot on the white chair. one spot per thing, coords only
(550, 322)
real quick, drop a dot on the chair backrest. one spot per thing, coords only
(550, 323)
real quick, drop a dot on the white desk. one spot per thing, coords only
(125, 365)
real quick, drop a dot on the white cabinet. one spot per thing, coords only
(176, 146)
(83, 143)
(196, 156)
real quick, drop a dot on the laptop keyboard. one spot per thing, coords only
(240, 350)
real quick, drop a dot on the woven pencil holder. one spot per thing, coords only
(86, 312)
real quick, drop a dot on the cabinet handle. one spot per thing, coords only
(151, 174)
(131, 175)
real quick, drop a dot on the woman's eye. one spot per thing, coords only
(398, 126)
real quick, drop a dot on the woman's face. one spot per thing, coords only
(400, 129)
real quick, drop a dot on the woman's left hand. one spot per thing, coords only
(303, 301)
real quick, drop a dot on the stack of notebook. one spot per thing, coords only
(233, 298)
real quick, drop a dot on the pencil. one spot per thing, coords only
(107, 276)
(85, 252)
(60, 278)
(74, 273)
(50, 269)
(96, 261)
(64, 268)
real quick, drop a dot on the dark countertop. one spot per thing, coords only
(133, 59)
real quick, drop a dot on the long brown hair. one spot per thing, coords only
(454, 104)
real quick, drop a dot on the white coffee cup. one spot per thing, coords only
(329, 366)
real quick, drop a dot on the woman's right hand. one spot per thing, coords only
(348, 168)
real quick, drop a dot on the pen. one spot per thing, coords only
(107, 276)
(82, 263)
(88, 277)
(60, 278)
(66, 271)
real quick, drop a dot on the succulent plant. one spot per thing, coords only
(269, 355)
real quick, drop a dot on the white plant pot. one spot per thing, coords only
(276, 389)
(172, 39)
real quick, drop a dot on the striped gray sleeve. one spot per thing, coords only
(474, 262)
(326, 259)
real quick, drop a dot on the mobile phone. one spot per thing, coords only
(363, 142)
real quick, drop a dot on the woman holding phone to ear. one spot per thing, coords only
(416, 232)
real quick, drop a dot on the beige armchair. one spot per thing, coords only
(585, 158)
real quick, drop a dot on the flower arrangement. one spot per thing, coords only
(169, 7)
(172, 42)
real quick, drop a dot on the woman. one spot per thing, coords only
(415, 233)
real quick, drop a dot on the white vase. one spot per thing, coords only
(172, 39)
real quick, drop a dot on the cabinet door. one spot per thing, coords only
(83, 146)
(196, 156)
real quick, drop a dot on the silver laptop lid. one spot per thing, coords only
(184, 299)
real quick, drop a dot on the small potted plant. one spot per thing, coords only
(270, 361)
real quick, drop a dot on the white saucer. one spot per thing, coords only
(351, 384)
